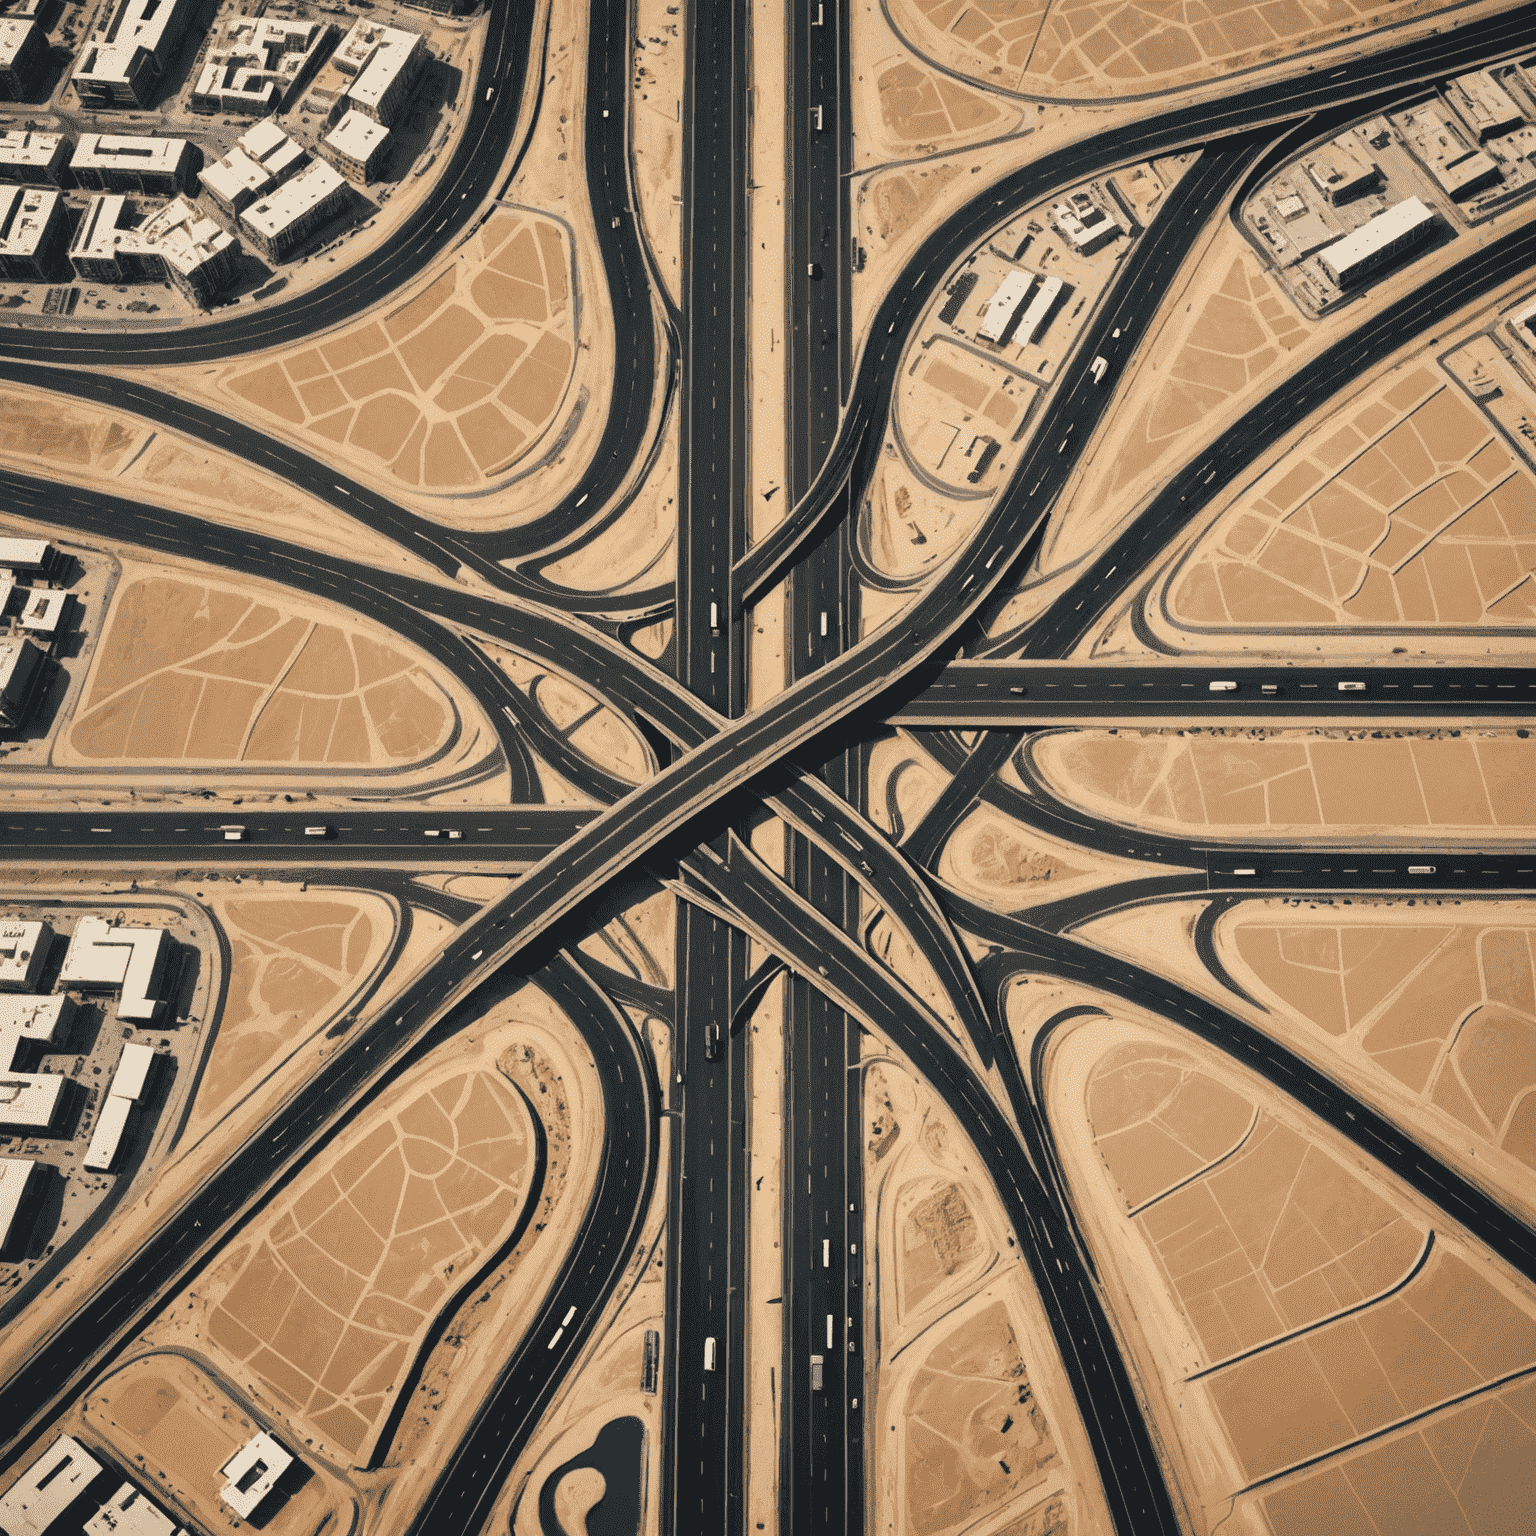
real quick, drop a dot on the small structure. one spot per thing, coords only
(17, 1175)
(356, 146)
(1340, 169)
(23, 953)
(959, 291)
(44, 612)
(997, 314)
(36, 557)
(127, 1090)
(130, 162)
(23, 56)
(34, 232)
(252, 1473)
(264, 157)
(47, 1488)
(20, 669)
(28, 158)
(280, 223)
(1484, 105)
(30, 1100)
(104, 956)
(134, 42)
(1084, 224)
(129, 1513)
(1377, 241)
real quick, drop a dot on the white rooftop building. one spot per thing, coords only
(129, 1513)
(1084, 224)
(107, 1138)
(134, 41)
(103, 956)
(1000, 309)
(23, 952)
(279, 222)
(15, 1180)
(47, 1488)
(383, 64)
(27, 156)
(356, 145)
(1484, 105)
(35, 556)
(263, 158)
(30, 1100)
(1377, 241)
(1035, 319)
(43, 611)
(252, 1473)
(20, 662)
(259, 63)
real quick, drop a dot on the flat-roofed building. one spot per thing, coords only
(47, 1488)
(263, 158)
(29, 1100)
(259, 64)
(134, 1068)
(36, 557)
(356, 146)
(1340, 169)
(1377, 241)
(106, 247)
(1441, 146)
(24, 950)
(28, 158)
(20, 671)
(1033, 321)
(252, 1473)
(43, 612)
(23, 57)
(1007, 298)
(1085, 224)
(107, 1137)
(45, 1018)
(106, 956)
(374, 71)
(176, 244)
(17, 1177)
(34, 234)
(130, 1512)
(134, 42)
(1484, 105)
(284, 219)
(126, 162)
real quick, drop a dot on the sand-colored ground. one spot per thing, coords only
(1077, 50)
(1287, 1301)
(1448, 1008)
(325, 1302)
(1411, 511)
(642, 940)
(1368, 784)
(656, 134)
(907, 527)
(295, 960)
(175, 1426)
(903, 783)
(998, 860)
(923, 108)
(210, 672)
(452, 388)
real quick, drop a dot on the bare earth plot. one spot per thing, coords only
(922, 108)
(1454, 783)
(1448, 1008)
(453, 388)
(1409, 512)
(203, 672)
(1080, 49)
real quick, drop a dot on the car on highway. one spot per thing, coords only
(1351, 687)
(317, 831)
(709, 1353)
(813, 269)
(1223, 686)
(712, 1042)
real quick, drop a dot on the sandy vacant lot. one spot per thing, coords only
(192, 671)
(293, 961)
(327, 1301)
(1448, 1008)
(1409, 512)
(450, 390)
(919, 105)
(177, 1427)
(1081, 49)
(1298, 780)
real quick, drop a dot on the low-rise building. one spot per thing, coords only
(284, 219)
(252, 1473)
(1484, 105)
(30, 1100)
(1340, 169)
(23, 57)
(129, 1084)
(34, 234)
(107, 956)
(1037, 316)
(126, 162)
(130, 1512)
(18, 1176)
(997, 314)
(24, 950)
(176, 244)
(20, 672)
(1441, 146)
(264, 157)
(374, 71)
(1378, 241)
(1084, 224)
(44, 611)
(28, 158)
(53, 1482)
(125, 57)
(356, 146)
(36, 557)
(259, 64)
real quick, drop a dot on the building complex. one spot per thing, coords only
(29, 158)
(284, 219)
(34, 234)
(264, 157)
(121, 162)
(134, 42)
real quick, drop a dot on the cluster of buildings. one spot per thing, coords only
(260, 64)
(37, 614)
(1085, 223)
(279, 195)
(1019, 309)
(66, 1488)
(126, 56)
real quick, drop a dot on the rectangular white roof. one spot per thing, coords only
(19, 946)
(294, 199)
(21, 146)
(24, 216)
(133, 1068)
(356, 136)
(1006, 298)
(108, 1135)
(15, 1174)
(48, 1487)
(127, 151)
(129, 1513)
(104, 955)
(35, 1018)
(1039, 307)
(43, 611)
(14, 32)
(260, 139)
(1398, 220)
(252, 1472)
(24, 554)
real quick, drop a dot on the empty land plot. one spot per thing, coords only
(938, 1239)
(190, 671)
(333, 1296)
(293, 961)
(453, 388)
(951, 400)
(1410, 511)
(974, 1435)
(890, 204)
(1000, 860)
(907, 527)
(919, 104)
(1256, 1232)
(1285, 781)
(1079, 48)
(1468, 1471)
(1447, 1008)
(172, 1420)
